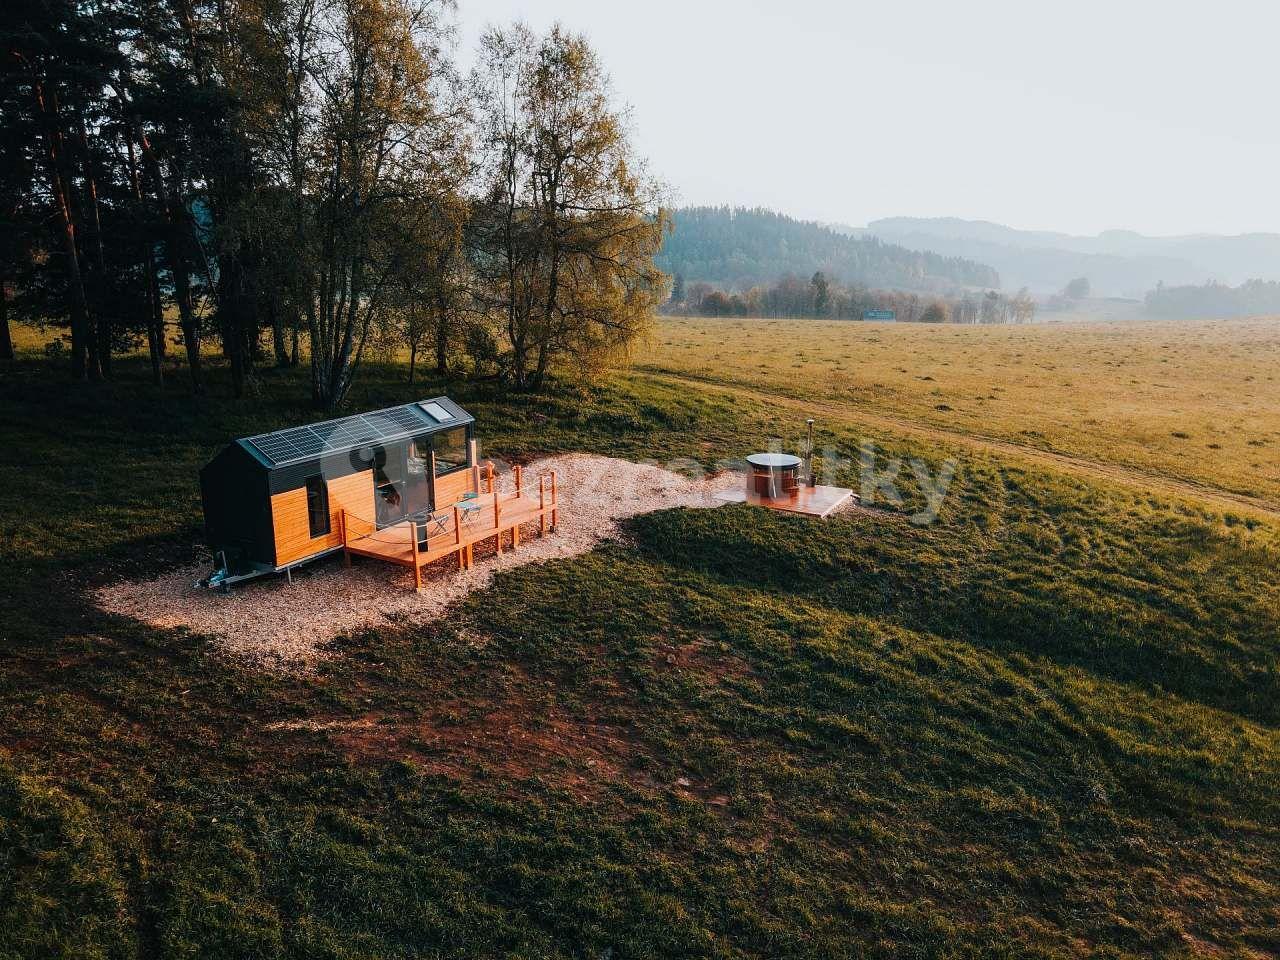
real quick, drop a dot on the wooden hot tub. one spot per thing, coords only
(774, 475)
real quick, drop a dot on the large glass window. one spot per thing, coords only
(450, 448)
(417, 485)
(317, 506)
(388, 484)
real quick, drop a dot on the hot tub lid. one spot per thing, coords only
(773, 460)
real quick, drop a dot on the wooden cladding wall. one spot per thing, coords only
(292, 528)
(451, 487)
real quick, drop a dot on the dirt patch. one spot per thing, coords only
(703, 657)
(274, 624)
(474, 741)
(519, 740)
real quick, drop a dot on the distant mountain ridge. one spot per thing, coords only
(1117, 262)
(740, 247)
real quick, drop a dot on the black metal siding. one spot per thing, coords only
(237, 506)
(294, 475)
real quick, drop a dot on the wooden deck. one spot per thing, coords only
(818, 501)
(454, 531)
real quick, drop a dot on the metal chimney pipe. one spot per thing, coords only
(808, 458)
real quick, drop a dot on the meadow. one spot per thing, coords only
(1198, 402)
(1044, 726)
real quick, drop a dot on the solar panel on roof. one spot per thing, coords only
(403, 417)
(286, 445)
(351, 432)
(305, 443)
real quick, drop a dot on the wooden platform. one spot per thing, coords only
(816, 501)
(456, 530)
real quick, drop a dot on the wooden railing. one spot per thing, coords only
(359, 534)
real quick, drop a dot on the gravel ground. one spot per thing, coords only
(276, 625)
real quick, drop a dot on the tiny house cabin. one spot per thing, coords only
(277, 499)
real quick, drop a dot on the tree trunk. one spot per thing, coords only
(106, 335)
(186, 311)
(277, 336)
(155, 307)
(296, 349)
(155, 317)
(313, 330)
(6, 341)
(79, 307)
(235, 344)
(442, 349)
(442, 297)
(175, 251)
(157, 304)
(442, 320)
(103, 327)
(155, 336)
(540, 372)
(413, 359)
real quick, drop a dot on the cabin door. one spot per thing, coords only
(389, 485)
(417, 486)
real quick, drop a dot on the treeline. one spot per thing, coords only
(820, 299)
(738, 248)
(306, 181)
(1214, 300)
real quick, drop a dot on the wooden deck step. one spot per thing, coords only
(818, 501)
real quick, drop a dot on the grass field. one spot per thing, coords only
(1044, 726)
(1195, 401)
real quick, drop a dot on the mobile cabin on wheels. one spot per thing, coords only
(279, 499)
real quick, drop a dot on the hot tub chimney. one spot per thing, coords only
(808, 456)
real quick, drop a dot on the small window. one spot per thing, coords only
(450, 448)
(318, 506)
(436, 412)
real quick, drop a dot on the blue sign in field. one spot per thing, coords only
(889, 315)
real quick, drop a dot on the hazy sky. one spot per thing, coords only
(1158, 117)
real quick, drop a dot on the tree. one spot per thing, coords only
(991, 307)
(429, 296)
(935, 312)
(6, 339)
(821, 294)
(387, 143)
(569, 222)
(677, 289)
(302, 169)
(57, 56)
(151, 109)
(965, 310)
(18, 225)
(1077, 289)
(1023, 307)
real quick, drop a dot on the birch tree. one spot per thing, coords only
(569, 220)
(389, 139)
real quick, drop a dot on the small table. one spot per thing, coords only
(468, 509)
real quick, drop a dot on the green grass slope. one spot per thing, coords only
(1044, 726)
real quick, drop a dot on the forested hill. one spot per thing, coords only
(1118, 263)
(740, 247)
